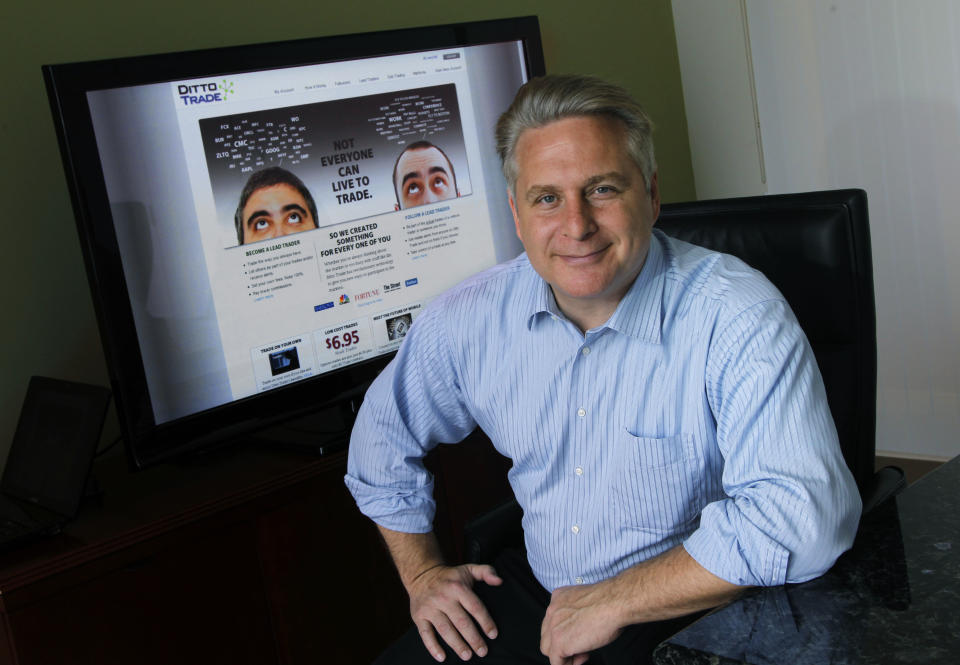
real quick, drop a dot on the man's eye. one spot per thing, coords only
(548, 199)
(294, 218)
(261, 225)
(604, 189)
(439, 183)
(413, 188)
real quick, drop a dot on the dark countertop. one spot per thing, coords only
(893, 598)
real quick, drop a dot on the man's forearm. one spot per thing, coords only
(670, 585)
(412, 553)
(583, 618)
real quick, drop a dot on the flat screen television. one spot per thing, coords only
(261, 224)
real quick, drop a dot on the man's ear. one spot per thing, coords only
(513, 209)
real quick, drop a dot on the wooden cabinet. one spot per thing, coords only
(179, 603)
(252, 557)
(333, 591)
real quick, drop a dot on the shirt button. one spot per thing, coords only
(575, 529)
(581, 412)
(579, 580)
(578, 471)
(585, 351)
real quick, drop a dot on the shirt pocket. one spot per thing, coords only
(656, 484)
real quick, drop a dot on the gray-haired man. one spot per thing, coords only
(668, 426)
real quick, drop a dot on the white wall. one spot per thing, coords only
(714, 51)
(866, 93)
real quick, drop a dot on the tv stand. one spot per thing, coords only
(320, 433)
(258, 557)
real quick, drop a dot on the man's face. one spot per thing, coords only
(275, 211)
(424, 176)
(583, 213)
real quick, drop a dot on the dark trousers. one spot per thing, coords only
(518, 607)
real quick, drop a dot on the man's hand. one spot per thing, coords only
(442, 601)
(578, 620)
(581, 619)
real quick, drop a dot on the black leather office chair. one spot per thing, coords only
(815, 247)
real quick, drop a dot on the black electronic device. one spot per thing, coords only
(231, 296)
(50, 457)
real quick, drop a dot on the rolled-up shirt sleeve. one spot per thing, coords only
(791, 505)
(411, 407)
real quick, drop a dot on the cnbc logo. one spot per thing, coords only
(204, 93)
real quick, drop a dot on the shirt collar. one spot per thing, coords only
(542, 304)
(639, 313)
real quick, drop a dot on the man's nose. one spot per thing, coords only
(578, 221)
(286, 229)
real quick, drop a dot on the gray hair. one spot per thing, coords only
(547, 99)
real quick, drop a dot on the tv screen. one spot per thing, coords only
(262, 224)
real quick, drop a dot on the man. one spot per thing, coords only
(668, 426)
(273, 203)
(423, 174)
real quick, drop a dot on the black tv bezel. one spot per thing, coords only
(147, 442)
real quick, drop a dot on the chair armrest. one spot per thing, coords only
(885, 483)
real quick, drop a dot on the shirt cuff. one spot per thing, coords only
(407, 511)
(722, 551)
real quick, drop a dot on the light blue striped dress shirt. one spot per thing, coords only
(695, 415)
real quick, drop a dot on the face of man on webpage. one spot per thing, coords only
(422, 176)
(275, 211)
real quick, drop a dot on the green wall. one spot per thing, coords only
(49, 326)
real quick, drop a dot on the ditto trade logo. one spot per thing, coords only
(205, 93)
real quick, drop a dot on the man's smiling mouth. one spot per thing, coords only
(583, 258)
